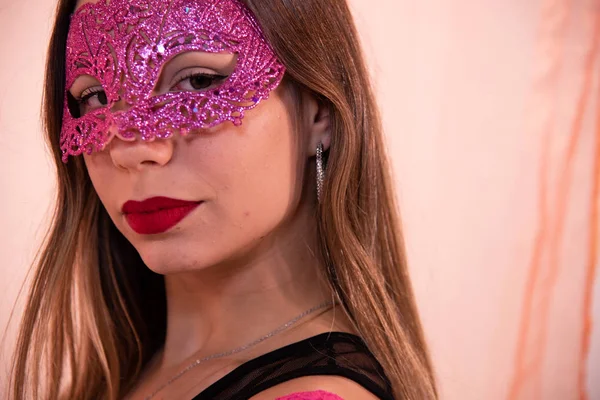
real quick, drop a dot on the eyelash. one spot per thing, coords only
(89, 93)
(213, 77)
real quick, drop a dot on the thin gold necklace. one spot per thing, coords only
(239, 349)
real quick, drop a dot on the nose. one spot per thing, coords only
(138, 154)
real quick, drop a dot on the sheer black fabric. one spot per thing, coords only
(332, 353)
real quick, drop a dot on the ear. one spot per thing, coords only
(318, 124)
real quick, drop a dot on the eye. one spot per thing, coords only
(91, 99)
(198, 81)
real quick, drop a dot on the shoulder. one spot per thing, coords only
(317, 388)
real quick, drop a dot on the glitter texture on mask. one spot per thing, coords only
(124, 44)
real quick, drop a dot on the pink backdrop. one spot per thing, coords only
(492, 118)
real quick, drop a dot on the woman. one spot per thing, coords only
(226, 225)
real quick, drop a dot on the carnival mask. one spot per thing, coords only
(124, 45)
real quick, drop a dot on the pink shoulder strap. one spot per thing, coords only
(315, 395)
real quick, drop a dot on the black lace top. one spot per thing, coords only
(331, 353)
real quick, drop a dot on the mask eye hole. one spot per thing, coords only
(85, 95)
(90, 100)
(198, 80)
(195, 71)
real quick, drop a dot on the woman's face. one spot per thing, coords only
(246, 180)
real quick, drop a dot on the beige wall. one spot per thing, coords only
(472, 92)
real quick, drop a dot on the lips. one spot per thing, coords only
(157, 214)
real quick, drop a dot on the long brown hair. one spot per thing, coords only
(96, 314)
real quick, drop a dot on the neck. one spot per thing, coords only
(225, 306)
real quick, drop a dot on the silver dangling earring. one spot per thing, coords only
(320, 170)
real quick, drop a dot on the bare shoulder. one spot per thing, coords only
(340, 386)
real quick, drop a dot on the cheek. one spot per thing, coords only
(254, 173)
(250, 176)
(264, 172)
(103, 175)
(263, 168)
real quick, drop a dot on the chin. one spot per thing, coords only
(179, 252)
(167, 257)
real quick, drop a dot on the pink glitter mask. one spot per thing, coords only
(124, 45)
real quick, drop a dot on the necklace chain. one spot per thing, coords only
(241, 348)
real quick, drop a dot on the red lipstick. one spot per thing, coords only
(157, 214)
